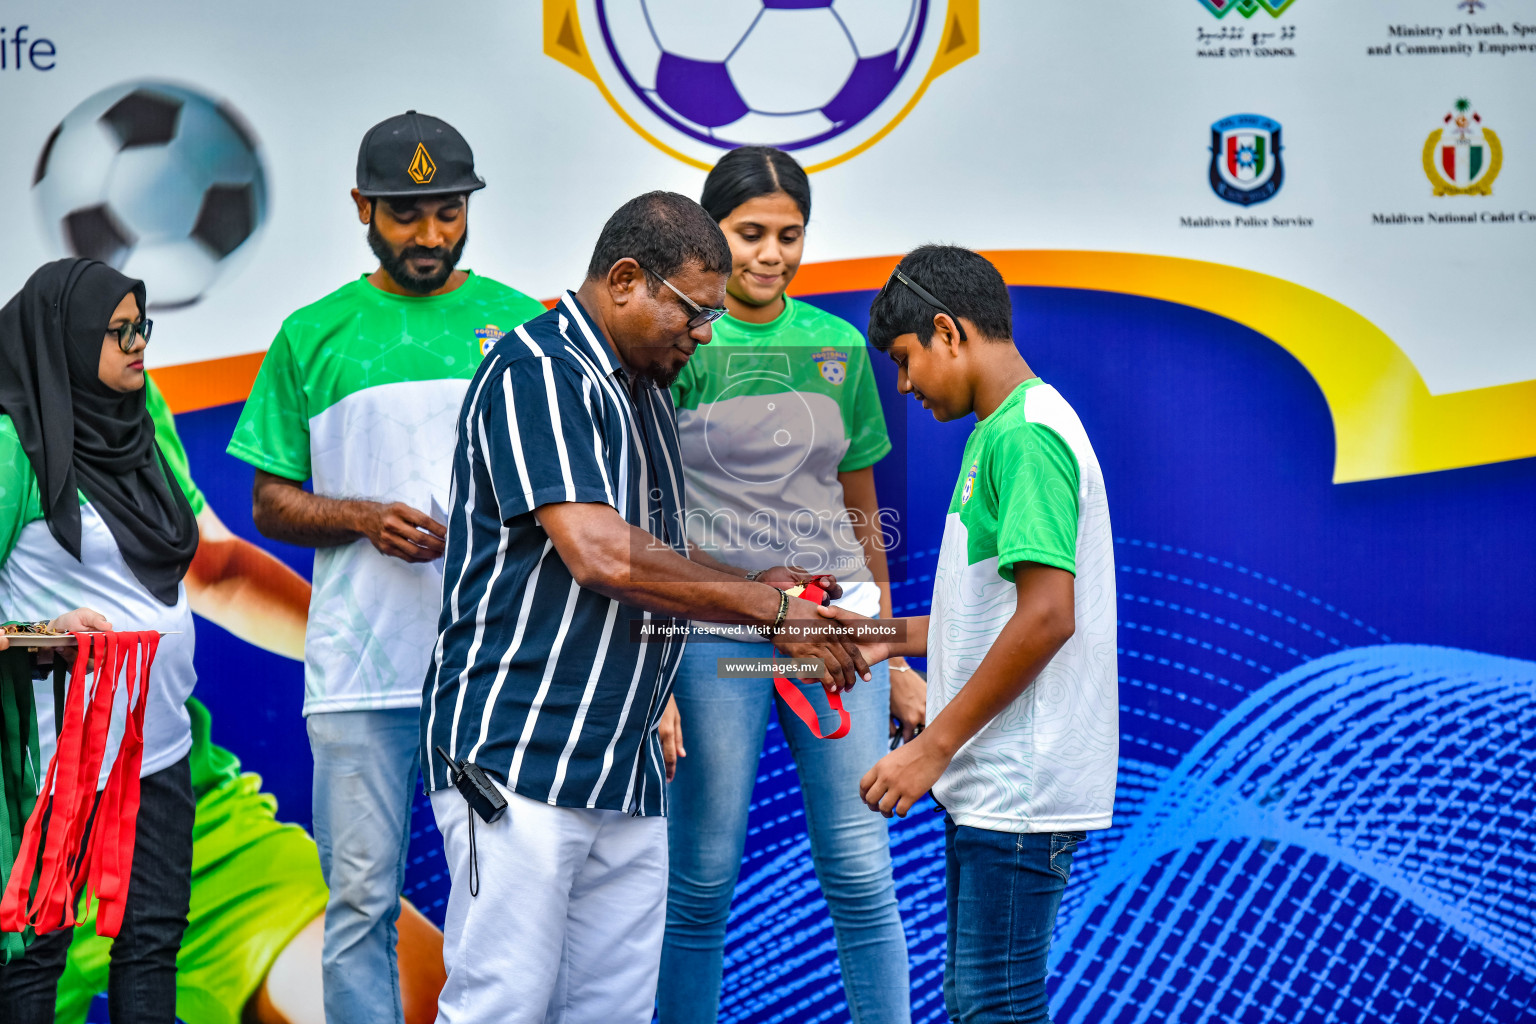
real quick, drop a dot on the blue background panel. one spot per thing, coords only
(1326, 789)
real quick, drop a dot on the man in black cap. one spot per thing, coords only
(359, 393)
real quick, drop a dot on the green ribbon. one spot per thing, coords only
(19, 773)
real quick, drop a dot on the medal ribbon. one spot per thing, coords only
(56, 857)
(791, 695)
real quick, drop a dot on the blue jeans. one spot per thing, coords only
(365, 777)
(724, 722)
(1002, 890)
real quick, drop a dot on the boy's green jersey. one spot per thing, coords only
(1030, 490)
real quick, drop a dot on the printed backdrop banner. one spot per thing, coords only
(1277, 253)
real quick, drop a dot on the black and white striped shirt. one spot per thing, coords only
(535, 678)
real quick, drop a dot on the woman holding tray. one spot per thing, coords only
(92, 514)
(780, 427)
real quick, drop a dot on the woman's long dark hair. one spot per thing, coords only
(751, 171)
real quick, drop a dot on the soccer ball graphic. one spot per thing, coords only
(786, 73)
(161, 181)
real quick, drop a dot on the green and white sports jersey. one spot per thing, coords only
(39, 580)
(1030, 490)
(767, 416)
(361, 392)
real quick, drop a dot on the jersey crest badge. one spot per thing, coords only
(832, 364)
(488, 335)
(970, 483)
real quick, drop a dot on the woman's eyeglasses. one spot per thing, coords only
(126, 332)
(701, 314)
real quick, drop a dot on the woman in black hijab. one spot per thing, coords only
(92, 514)
(79, 410)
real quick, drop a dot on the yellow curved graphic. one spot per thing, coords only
(1385, 421)
(563, 40)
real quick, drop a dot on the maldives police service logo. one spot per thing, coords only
(822, 79)
(1463, 156)
(1247, 8)
(832, 364)
(1245, 159)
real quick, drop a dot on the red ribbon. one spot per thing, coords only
(791, 695)
(43, 891)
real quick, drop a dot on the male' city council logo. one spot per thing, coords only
(1247, 8)
(1462, 157)
(1245, 159)
(823, 79)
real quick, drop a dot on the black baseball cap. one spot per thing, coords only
(414, 154)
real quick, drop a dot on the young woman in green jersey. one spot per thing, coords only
(780, 427)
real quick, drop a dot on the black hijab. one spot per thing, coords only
(81, 435)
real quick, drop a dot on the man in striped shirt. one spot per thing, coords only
(568, 580)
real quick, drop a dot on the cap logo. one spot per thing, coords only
(422, 168)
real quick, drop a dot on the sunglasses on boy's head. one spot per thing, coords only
(928, 297)
(701, 314)
(126, 332)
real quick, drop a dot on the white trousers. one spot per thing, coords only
(568, 923)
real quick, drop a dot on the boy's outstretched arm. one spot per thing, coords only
(913, 632)
(1041, 623)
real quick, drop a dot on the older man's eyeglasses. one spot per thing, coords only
(701, 314)
(126, 332)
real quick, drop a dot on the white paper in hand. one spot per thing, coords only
(440, 514)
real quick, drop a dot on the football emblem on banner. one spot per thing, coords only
(162, 181)
(1245, 159)
(1463, 157)
(823, 79)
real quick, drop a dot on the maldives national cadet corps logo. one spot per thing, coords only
(1247, 8)
(823, 79)
(1245, 159)
(1463, 157)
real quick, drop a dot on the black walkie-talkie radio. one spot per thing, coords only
(476, 787)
